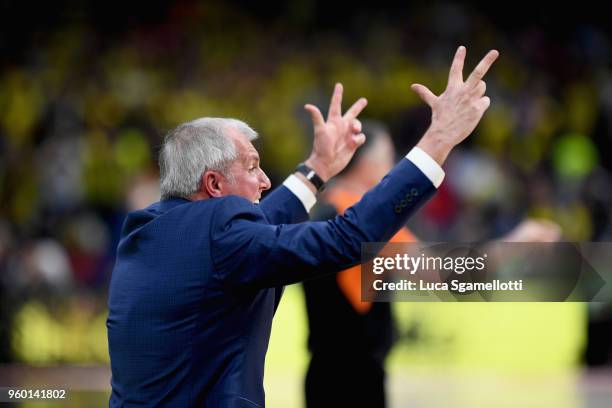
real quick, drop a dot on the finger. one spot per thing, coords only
(480, 88)
(484, 103)
(335, 106)
(356, 126)
(455, 76)
(356, 109)
(315, 114)
(359, 139)
(482, 68)
(424, 93)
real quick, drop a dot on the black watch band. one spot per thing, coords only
(311, 176)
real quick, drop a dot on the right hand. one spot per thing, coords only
(456, 112)
(337, 138)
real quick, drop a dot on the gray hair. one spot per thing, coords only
(195, 147)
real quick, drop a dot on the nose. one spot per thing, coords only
(264, 181)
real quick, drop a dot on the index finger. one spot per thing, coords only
(356, 109)
(335, 106)
(455, 76)
(482, 68)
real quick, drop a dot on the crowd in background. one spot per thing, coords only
(84, 105)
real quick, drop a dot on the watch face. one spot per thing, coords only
(311, 176)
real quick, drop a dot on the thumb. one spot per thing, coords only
(315, 114)
(424, 93)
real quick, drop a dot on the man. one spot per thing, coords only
(199, 274)
(349, 339)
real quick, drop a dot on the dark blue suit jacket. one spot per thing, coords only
(196, 285)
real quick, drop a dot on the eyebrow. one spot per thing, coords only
(252, 157)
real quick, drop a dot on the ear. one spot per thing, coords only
(212, 183)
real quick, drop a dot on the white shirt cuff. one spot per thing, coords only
(427, 165)
(301, 191)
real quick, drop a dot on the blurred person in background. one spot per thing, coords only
(349, 339)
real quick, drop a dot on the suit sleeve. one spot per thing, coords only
(247, 251)
(281, 206)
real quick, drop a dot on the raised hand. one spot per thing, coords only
(456, 112)
(337, 138)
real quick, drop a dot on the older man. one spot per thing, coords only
(199, 274)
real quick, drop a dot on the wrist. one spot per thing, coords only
(319, 168)
(311, 176)
(306, 182)
(435, 143)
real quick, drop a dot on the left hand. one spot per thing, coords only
(456, 112)
(337, 139)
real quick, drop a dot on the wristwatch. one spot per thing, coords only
(311, 176)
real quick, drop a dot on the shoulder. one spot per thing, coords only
(232, 203)
(233, 208)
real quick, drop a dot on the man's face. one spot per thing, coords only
(248, 179)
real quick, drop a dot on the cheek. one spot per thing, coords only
(229, 189)
(244, 185)
(254, 182)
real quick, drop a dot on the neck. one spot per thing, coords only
(198, 196)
